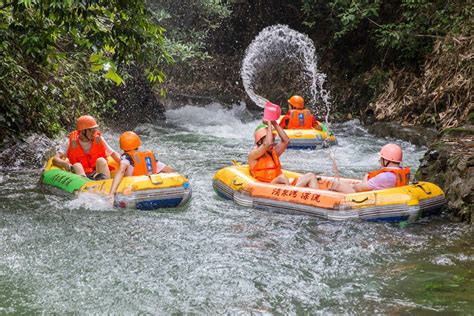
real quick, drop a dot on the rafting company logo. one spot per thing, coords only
(62, 179)
(306, 196)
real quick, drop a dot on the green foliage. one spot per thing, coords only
(189, 23)
(406, 28)
(58, 57)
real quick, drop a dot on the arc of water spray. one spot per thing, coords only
(293, 45)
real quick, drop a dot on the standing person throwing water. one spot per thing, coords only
(264, 162)
(85, 152)
(298, 117)
(390, 175)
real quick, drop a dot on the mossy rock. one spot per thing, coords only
(459, 131)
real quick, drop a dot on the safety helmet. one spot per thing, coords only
(261, 131)
(85, 122)
(129, 141)
(391, 152)
(296, 101)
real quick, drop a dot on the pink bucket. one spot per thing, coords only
(271, 112)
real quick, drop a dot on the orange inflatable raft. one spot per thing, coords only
(396, 204)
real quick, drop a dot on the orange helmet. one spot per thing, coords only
(296, 101)
(129, 141)
(391, 152)
(86, 122)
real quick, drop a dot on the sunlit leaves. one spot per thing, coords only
(57, 57)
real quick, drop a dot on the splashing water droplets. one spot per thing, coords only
(278, 51)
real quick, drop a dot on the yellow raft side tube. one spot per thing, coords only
(235, 182)
(141, 192)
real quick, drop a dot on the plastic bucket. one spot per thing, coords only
(271, 112)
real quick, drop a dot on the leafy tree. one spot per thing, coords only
(58, 56)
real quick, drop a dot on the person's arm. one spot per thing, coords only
(60, 159)
(260, 150)
(285, 140)
(167, 169)
(115, 156)
(361, 187)
(316, 124)
(110, 152)
(124, 164)
(284, 120)
(161, 167)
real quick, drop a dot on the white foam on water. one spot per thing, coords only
(90, 201)
(214, 120)
(285, 44)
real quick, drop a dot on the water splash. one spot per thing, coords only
(283, 48)
(214, 120)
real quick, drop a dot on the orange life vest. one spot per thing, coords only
(77, 154)
(144, 162)
(267, 167)
(300, 119)
(402, 174)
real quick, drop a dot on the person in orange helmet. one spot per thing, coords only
(298, 117)
(85, 152)
(264, 161)
(390, 174)
(134, 162)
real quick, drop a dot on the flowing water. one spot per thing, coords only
(61, 255)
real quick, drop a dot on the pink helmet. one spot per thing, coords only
(391, 152)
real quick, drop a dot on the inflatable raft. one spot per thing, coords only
(391, 205)
(310, 138)
(138, 192)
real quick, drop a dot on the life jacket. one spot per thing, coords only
(300, 119)
(402, 174)
(77, 154)
(267, 167)
(144, 162)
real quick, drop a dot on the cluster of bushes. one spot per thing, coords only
(59, 58)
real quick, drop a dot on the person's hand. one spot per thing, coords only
(266, 122)
(111, 198)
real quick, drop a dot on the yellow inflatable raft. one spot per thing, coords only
(310, 138)
(138, 192)
(396, 204)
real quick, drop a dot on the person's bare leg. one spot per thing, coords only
(78, 169)
(281, 179)
(341, 187)
(101, 166)
(308, 180)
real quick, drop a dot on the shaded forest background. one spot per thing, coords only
(407, 60)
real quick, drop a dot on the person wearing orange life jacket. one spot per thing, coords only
(134, 162)
(298, 117)
(390, 175)
(85, 152)
(264, 162)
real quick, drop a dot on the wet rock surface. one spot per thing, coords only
(30, 153)
(420, 136)
(450, 163)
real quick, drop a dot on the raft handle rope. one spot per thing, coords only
(366, 198)
(423, 188)
(155, 182)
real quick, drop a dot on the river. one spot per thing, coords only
(211, 256)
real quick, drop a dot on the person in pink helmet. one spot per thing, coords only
(390, 174)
